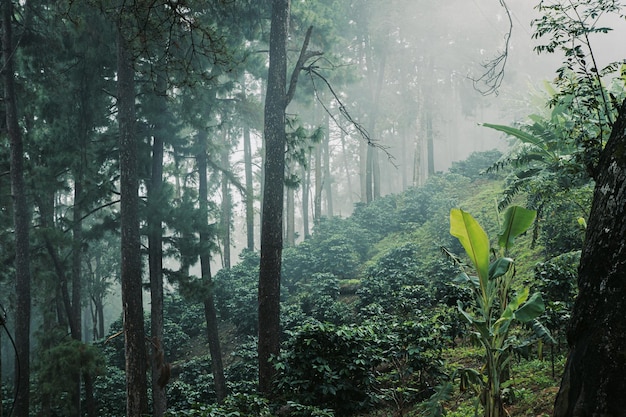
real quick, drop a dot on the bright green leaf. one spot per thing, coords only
(474, 240)
(516, 221)
(531, 308)
(499, 267)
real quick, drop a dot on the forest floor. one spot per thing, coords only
(531, 393)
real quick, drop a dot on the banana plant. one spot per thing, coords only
(494, 307)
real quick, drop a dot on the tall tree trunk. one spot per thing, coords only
(290, 220)
(77, 237)
(347, 167)
(21, 218)
(226, 205)
(45, 204)
(247, 157)
(159, 367)
(272, 210)
(205, 265)
(328, 189)
(132, 296)
(319, 185)
(430, 144)
(306, 186)
(594, 381)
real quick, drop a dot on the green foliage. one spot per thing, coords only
(556, 279)
(350, 368)
(110, 392)
(570, 27)
(494, 307)
(58, 367)
(561, 231)
(475, 166)
(236, 293)
(318, 298)
(193, 384)
(329, 366)
(396, 283)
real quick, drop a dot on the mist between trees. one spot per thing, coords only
(217, 207)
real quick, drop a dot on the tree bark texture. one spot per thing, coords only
(272, 210)
(247, 155)
(132, 304)
(594, 380)
(21, 217)
(160, 368)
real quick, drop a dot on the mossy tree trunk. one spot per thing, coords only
(594, 380)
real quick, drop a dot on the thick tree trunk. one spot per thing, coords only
(21, 216)
(160, 369)
(594, 380)
(205, 265)
(132, 295)
(272, 211)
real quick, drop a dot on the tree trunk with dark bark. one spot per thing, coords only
(272, 210)
(247, 156)
(594, 380)
(21, 216)
(159, 367)
(132, 295)
(226, 205)
(210, 313)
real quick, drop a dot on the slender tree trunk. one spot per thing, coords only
(594, 381)
(132, 294)
(247, 157)
(319, 185)
(306, 186)
(21, 217)
(290, 214)
(76, 311)
(159, 367)
(205, 266)
(430, 144)
(226, 206)
(272, 211)
(347, 168)
(328, 189)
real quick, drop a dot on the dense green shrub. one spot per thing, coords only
(380, 217)
(475, 166)
(236, 291)
(395, 281)
(110, 392)
(329, 366)
(556, 279)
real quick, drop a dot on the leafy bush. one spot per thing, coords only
(110, 392)
(556, 279)
(236, 293)
(396, 283)
(475, 166)
(329, 366)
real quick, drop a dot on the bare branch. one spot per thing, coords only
(491, 80)
(312, 70)
(304, 56)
